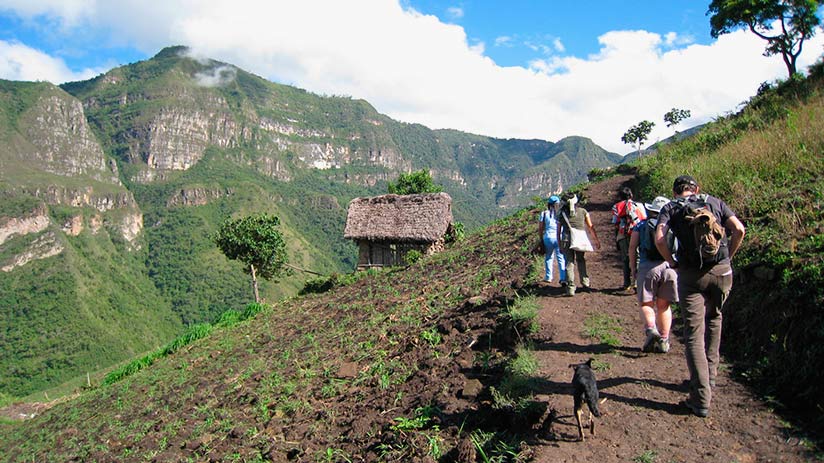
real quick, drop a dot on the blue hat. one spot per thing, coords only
(553, 199)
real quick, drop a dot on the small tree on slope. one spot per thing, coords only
(256, 241)
(637, 134)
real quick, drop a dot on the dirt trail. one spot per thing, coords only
(642, 416)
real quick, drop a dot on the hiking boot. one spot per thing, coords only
(652, 338)
(696, 410)
(662, 346)
(630, 289)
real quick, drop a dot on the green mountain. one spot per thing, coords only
(113, 186)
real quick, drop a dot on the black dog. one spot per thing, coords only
(583, 381)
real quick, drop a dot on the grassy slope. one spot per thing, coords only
(269, 387)
(766, 163)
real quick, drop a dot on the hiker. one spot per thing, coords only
(574, 226)
(656, 281)
(700, 223)
(626, 214)
(548, 230)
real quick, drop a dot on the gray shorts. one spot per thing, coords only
(657, 279)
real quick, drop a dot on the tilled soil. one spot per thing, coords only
(642, 419)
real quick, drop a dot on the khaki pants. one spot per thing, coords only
(576, 259)
(702, 294)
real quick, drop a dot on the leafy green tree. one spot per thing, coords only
(674, 116)
(796, 19)
(637, 134)
(414, 183)
(256, 241)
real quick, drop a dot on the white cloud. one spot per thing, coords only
(503, 41)
(217, 76)
(455, 12)
(19, 62)
(417, 68)
(558, 45)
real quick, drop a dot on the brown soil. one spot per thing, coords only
(642, 412)
(332, 377)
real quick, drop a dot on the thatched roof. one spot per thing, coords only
(404, 218)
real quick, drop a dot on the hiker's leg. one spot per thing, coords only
(718, 295)
(646, 293)
(666, 293)
(663, 317)
(623, 250)
(648, 315)
(559, 256)
(581, 257)
(548, 249)
(569, 257)
(693, 307)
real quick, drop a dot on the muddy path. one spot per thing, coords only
(642, 419)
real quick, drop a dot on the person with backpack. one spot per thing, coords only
(626, 214)
(548, 230)
(709, 234)
(574, 229)
(657, 282)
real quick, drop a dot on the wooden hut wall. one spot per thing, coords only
(386, 254)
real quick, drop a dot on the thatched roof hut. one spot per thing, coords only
(388, 226)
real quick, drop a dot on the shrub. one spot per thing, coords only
(413, 256)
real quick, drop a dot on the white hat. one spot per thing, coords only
(657, 204)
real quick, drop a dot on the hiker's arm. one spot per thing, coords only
(661, 244)
(633, 246)
(738, 231)
(592, 231)
(541, 228)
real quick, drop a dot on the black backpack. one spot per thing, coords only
(651, 251)
(707, 240)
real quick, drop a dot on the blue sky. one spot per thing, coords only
(533, 27)
(510, 69)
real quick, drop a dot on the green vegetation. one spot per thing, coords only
(524, 313)
(604, 328)
(195, 332)
(650, 456)
(637, 134)
(413, 183)
(674, 116)
(256, 241)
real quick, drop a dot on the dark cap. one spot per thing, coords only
(681, 182)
